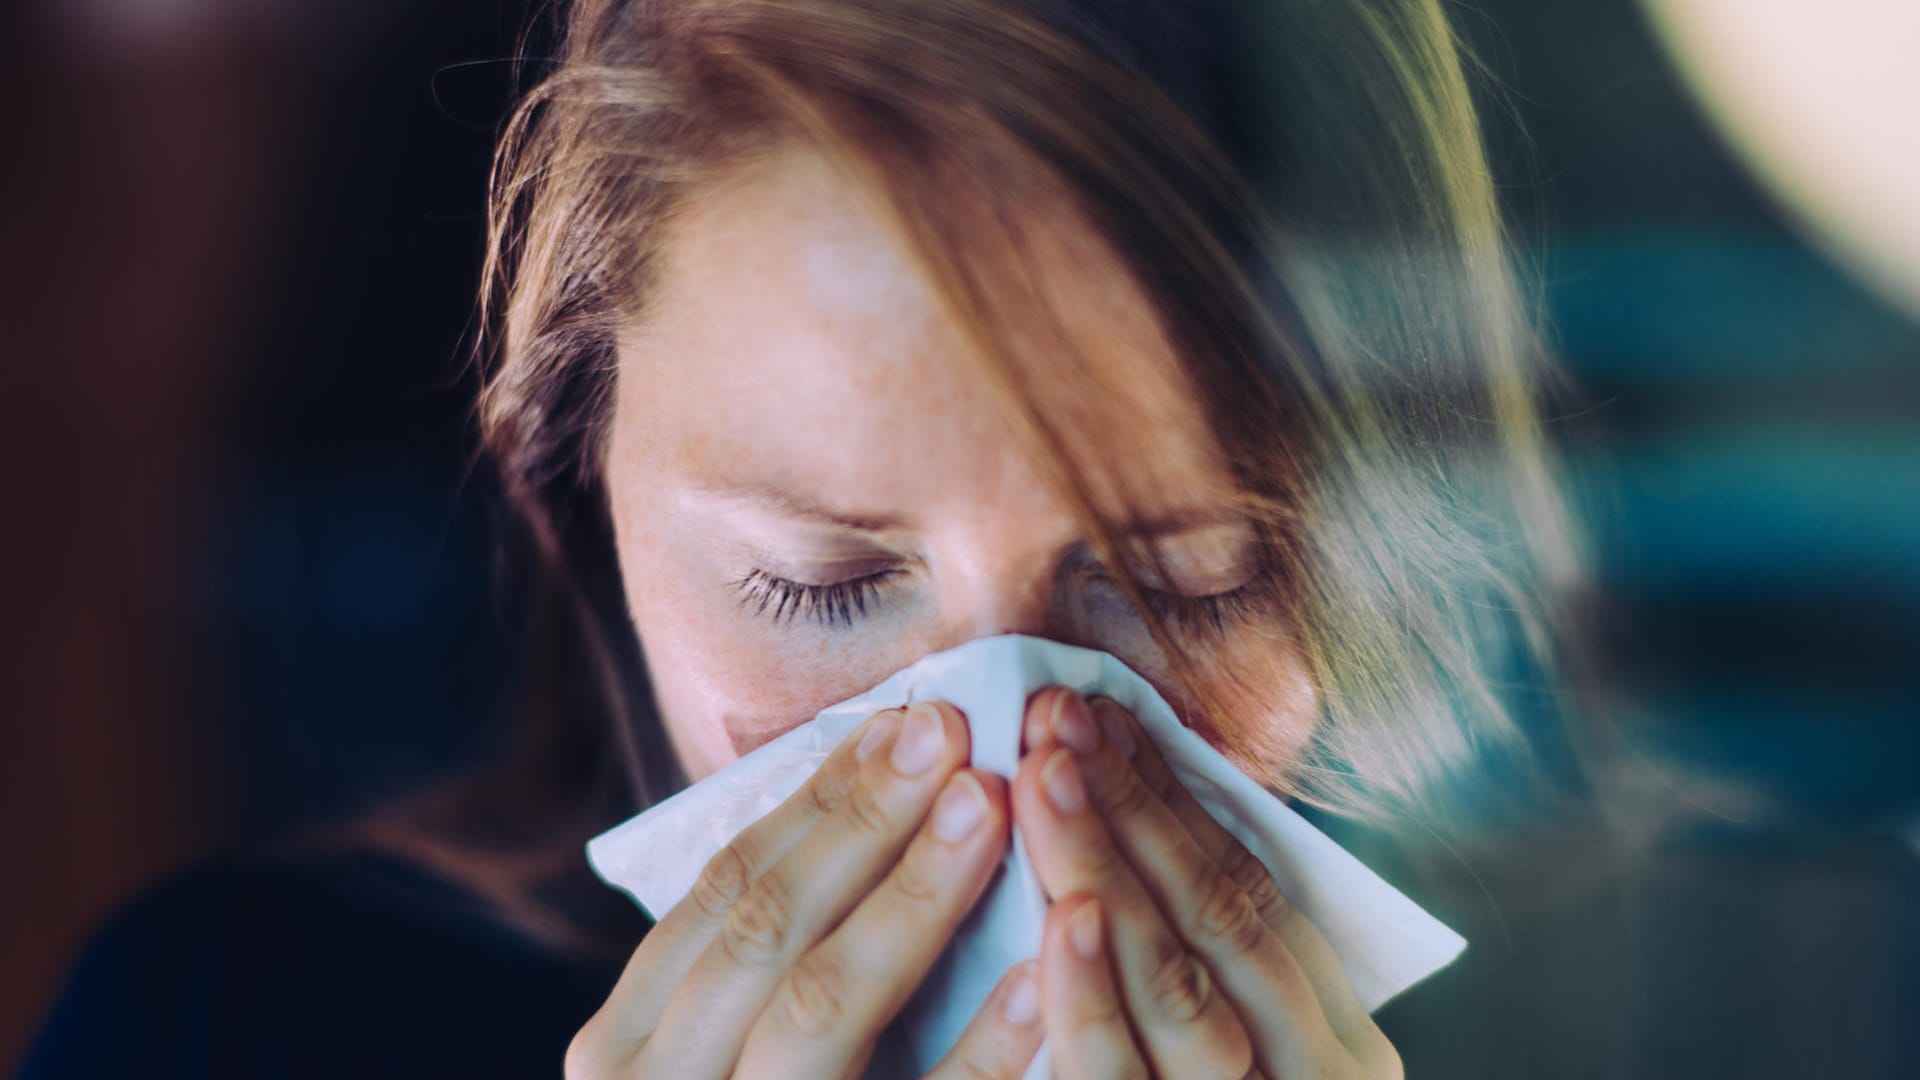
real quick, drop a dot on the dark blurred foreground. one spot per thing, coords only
(249, 575)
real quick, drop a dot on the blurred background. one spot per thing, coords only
(250, 576)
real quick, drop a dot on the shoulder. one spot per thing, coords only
(349, 964)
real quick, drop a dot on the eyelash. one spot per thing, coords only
(1209, 616)
(828, 605)
(841, 603)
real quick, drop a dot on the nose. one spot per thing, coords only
(1026, 606)
(1016, 595)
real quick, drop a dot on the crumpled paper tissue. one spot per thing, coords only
(1386, 942)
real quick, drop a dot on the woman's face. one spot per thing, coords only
(812, 485)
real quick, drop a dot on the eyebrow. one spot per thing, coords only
(792, 504)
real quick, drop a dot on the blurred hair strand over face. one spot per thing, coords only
(1299, 187)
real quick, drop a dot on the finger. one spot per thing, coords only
(1004, 1035)
(1273, 995)
(826, 1012)
(632, 1011)
(1180, 1016)
(791, 906)
(1088, 1034)
(1345, 1015)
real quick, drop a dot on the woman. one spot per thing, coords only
(832, 333)
(1178, 333)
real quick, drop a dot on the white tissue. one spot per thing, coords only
(1386, 942)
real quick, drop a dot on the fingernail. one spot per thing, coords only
(1061, 777)
(1035, 730)
(1022, 1004)
(879, 731)
(921, 739)
(1083, 930)
(1113, 722)
(960, 808)
(1073, 723)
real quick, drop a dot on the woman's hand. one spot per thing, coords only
(1169, 951)
(806, 934)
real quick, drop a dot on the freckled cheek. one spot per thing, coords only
(1109, 625)
(1276, 705)
(1267, 703)
(741, 679)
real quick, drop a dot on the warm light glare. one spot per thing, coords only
(1821, 99)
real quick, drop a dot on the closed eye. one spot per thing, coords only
(841, 604)
(1212, 614)
(838, 604)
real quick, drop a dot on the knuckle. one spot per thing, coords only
(1162, 784)
(721, 882)
(831, 784)
(823, 796)
(1250, 875)
(813, 999)
(1123, 796)
(916, 881)
(974, 1068)
(1227, 918)
(1180, 986)
(866, 814)
(1096, 1012)
(1155, 774)
(758, 927)
(1100, 861)
(1274, 907)
(978, 1062)
(1237, 863)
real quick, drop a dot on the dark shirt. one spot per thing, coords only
(366, 965)
(355, 965)
(1704, 964)
(350, 965)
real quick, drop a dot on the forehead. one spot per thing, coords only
(793, 336)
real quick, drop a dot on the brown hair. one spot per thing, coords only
(1299, 187)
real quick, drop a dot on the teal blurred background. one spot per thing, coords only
(253, 580)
